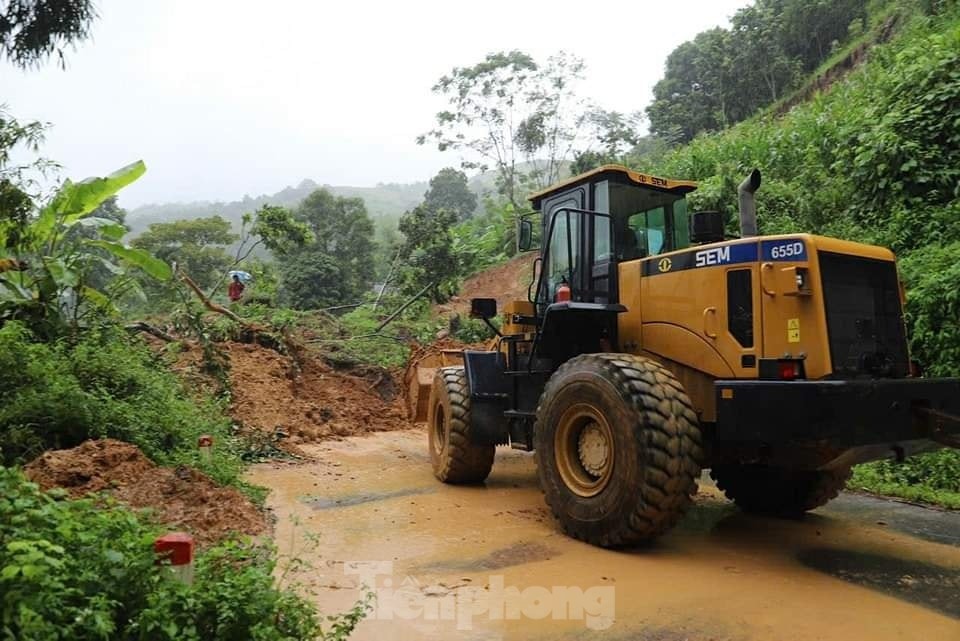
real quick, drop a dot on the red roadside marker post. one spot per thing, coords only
(175, 551)
(205, 444)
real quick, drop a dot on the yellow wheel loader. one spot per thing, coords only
(652, 346)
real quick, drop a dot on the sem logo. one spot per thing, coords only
(717, 256)
(664, 265)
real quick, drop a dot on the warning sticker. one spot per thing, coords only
(793, 330)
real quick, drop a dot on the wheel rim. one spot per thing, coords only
(584, 449)
(439, 429)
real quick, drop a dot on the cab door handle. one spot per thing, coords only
(766, 271)
(707, 313)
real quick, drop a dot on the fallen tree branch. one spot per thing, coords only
(209, 304)
(142, 326)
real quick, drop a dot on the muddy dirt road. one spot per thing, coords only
(489, 563)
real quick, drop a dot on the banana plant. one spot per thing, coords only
(48, 255)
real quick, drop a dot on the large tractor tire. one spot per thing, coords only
(454, 458)
(776, 491)
(618, 448)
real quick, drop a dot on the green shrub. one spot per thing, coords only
(474, 330)
(933, 478)
(932, 279)
(85, 569)
(103, 384)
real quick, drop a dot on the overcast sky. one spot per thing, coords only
(223, 98)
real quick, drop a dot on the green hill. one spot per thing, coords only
(384, 201)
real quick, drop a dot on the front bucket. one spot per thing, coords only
(418, 378)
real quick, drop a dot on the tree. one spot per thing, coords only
(810, 27)
(723, 76)
(697, 90)
(342, 230)
(271, 226)
(197, 246)
(428, 250)
(32, 30)
(758, 33)
(616, 132)
(510, 112)
(311, 279)
(449, 190)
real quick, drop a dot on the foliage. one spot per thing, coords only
(473, 330)
(723, 76)
(514, 114)
(52, 288)
(103, 384)
(31, 30)
(277, 229)
(337, 266)
(84, 569)
(196, 246)
(449, 190)
(931, 478)
(932, 278)
(487, 239)
(428, 252)
(311, 279)
(416, 324)
(272, 227)
(14, 181)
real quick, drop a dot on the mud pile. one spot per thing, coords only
(312, 401)
(180, 498)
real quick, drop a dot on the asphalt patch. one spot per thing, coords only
(326, 503)
(926, 584)
(935, 525)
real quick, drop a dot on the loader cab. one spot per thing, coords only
(594, 221)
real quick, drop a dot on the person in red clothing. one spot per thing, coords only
(236, 289)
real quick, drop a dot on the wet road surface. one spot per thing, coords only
(489, 562)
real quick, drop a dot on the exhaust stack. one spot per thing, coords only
(748, 204)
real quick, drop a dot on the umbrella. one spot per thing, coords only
(242, 275)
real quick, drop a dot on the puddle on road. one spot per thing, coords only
(324, 503)
(516, 554)
(932, 586)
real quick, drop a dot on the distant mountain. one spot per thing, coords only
(384, 201)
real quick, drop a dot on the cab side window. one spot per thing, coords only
(649, 229)
(740, 306)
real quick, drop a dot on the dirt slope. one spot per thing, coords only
(505, 282)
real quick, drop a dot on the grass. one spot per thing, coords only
(932, 478)
(866, 481)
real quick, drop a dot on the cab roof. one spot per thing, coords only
(616, 173)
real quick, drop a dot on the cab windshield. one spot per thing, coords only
(646, 222)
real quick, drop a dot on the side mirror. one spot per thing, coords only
(485, 308)
(524, 234)
(706, 227)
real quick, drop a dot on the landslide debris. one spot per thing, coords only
(309, 400)
(180, 498)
